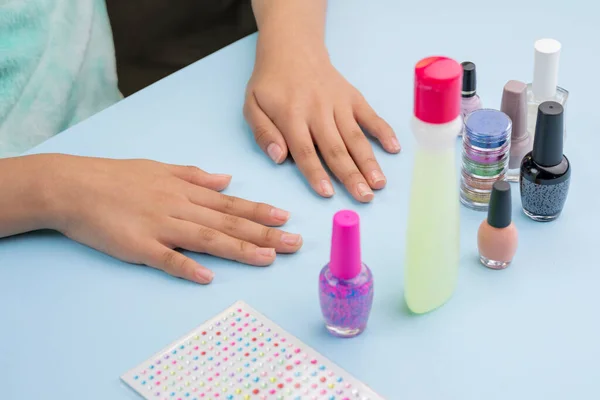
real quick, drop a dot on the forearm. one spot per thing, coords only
(296, 23)
(22, 194)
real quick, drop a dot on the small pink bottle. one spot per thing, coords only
(470, 100)
(346, 284)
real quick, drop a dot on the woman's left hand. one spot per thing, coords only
(296, 101)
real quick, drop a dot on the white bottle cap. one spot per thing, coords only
(545, 68)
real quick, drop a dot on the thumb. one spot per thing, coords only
(266, 134)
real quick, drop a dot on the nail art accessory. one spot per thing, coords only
(485, 156)
(240, 354)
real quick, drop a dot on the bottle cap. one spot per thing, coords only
(500, 207)
(545, 68)
(469, 82)
(345, 262)
(514, 104)
(438, 82)
(548, 140)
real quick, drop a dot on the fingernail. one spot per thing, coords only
(265, 252)
(222, 176)
(279, 214)
(274, 151)
(364, 190)
(377, 176)
(204, 275)
(395, 144)
(290, 239)
(326, 188)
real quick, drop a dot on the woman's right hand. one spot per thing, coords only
(141, 211)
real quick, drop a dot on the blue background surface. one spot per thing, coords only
(73, 320)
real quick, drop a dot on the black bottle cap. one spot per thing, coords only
(469, 83)
(500, 207)
(548, 142)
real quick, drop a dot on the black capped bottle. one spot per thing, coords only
(545, 171)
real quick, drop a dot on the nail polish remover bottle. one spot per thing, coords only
(544, 86)
(346, 284)
(432, 247)
(545, 171)
(497, 235)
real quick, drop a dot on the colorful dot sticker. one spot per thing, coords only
(241, 354)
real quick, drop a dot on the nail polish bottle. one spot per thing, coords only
(346, 284)
(433, 228)
(544, 86)
(497, 235)
(470, 100)
(545, 171)
(514, 104)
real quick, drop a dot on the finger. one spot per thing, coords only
(199, 177)
(241, 228)
(338, 159)
(261, 213)
(266, 134)
(360, 149)
(304, 153)
(376, 126)
(201, 239)
(178, 265)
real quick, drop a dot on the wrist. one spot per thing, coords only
(24, 204)
(290, 43)
(291, 29)
(46, 192)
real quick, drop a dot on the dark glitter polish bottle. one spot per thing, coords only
(545, 171)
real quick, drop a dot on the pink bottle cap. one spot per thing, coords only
(438, 86)
(345, 260)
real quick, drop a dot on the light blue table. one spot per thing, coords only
(73, 320)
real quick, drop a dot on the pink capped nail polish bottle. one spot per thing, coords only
(346, 284)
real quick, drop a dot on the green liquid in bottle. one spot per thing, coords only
(433, 236)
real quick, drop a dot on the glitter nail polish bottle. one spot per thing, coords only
(346, 284)
(497, 235)
(545, 171)
(470, 100)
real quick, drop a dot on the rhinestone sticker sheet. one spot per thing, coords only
(240, 354)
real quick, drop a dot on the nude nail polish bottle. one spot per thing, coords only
(514, 104)
(497, 235)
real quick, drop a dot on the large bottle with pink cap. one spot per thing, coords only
(433, 248)
(346, 283)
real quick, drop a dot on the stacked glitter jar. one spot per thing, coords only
(486, 147)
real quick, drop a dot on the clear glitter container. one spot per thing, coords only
(485, 156)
